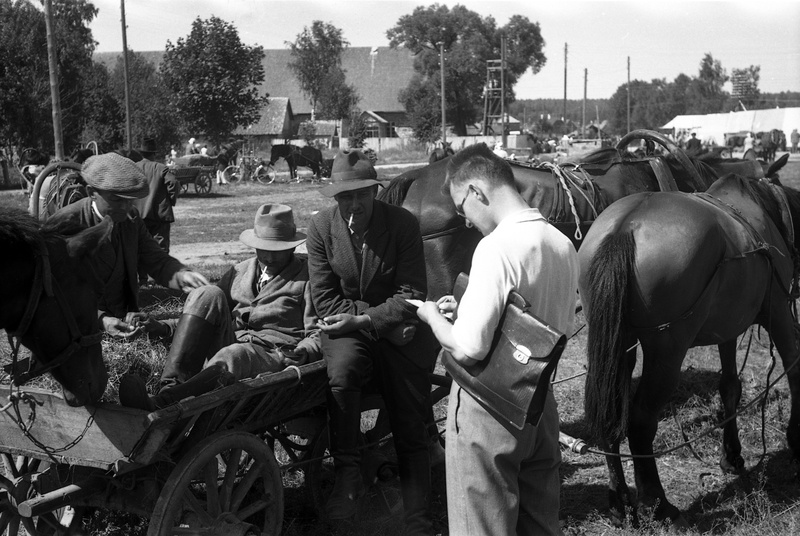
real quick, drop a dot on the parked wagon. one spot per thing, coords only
(197, 169)
(205, 465)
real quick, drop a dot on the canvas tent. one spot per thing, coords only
(713, 127)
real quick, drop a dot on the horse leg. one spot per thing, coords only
(661, 368)
(782, 330)
(730, 392)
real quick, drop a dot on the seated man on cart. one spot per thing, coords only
(258, 318)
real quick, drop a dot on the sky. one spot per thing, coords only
(662, 38)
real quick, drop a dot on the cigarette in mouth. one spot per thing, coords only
(350, 223)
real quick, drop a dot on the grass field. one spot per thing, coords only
(762, 500)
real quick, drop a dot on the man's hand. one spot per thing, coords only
(143, 323)
(402, 334)
(298, 356)
(188, 280)
(119, 328)
(343, 323)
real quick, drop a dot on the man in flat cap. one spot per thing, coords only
(258, 318)
(365, 261)
(113, 183)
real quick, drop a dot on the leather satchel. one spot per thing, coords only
(512, 381)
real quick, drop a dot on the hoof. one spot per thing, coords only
(732, 467)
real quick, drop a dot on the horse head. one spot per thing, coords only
(49, 304)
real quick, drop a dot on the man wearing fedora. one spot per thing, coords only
(258, 318)
(114, 182)
(365, 261)
(156, 208)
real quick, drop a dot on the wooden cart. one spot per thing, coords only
(201, 466)
(197, 169)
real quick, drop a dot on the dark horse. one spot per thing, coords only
(442, 151)
(49, 304)
(306, 156)
(673, 271)
(588, 185)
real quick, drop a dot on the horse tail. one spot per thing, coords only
(608, 382)
(396, 192)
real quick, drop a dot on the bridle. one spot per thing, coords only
(24, 370)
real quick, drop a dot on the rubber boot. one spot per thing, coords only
(344, 427)
(133, 392)
(191, 346)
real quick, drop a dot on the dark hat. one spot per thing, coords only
(273, 230)
(148, 146)
(116, 174)
(351, 170)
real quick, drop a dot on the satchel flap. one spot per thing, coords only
(528, 333)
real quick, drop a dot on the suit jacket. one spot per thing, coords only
(281, 313)
(392, 270)
(118, 257)
(164, 187)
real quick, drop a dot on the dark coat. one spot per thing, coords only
(117, 258)
(164, 188)
(393, 270)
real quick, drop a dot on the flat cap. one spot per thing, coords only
(116, 174)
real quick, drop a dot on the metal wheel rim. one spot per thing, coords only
(231, 173)
(202, 184)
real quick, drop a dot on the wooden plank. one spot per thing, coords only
(110, 437)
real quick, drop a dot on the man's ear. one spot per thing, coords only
(86, 242)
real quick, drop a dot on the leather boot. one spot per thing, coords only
(344, 427)
(191, 346)
(415, 487)
(133, 392)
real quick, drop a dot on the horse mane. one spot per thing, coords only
(395, 193)
(17, 227)
(759, 191)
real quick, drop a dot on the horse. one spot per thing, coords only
(667, 270)
(442, 151)
(570, 196)
(49, 304)
(305, 156)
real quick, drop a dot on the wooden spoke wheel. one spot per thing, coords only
(229, 483)
(202, 184)
(16, 487)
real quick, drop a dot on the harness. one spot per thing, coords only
(759, 246)
(22, 371)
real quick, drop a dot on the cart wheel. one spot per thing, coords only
(227, 482)
(265, 174)
(202, 184)
(231, 174)
(16, 487)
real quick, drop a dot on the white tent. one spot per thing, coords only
(713, 127)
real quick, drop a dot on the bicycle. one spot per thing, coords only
(250, 168)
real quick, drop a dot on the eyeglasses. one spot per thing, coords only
(460, 206)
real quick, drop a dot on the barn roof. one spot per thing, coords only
(377, 73)
(275, 120)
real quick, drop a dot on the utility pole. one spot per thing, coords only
(564, 117)
(629, 93)
(583, 114)
(441, 69)
(503, 116)
(125, 77)
(52, 64)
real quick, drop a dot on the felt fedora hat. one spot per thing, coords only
(273, 230)
(111, 172)
(148, 147)
(351, 170)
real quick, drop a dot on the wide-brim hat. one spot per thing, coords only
(111, 172)
(273, 229)
(148, 146)
(351, 170)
